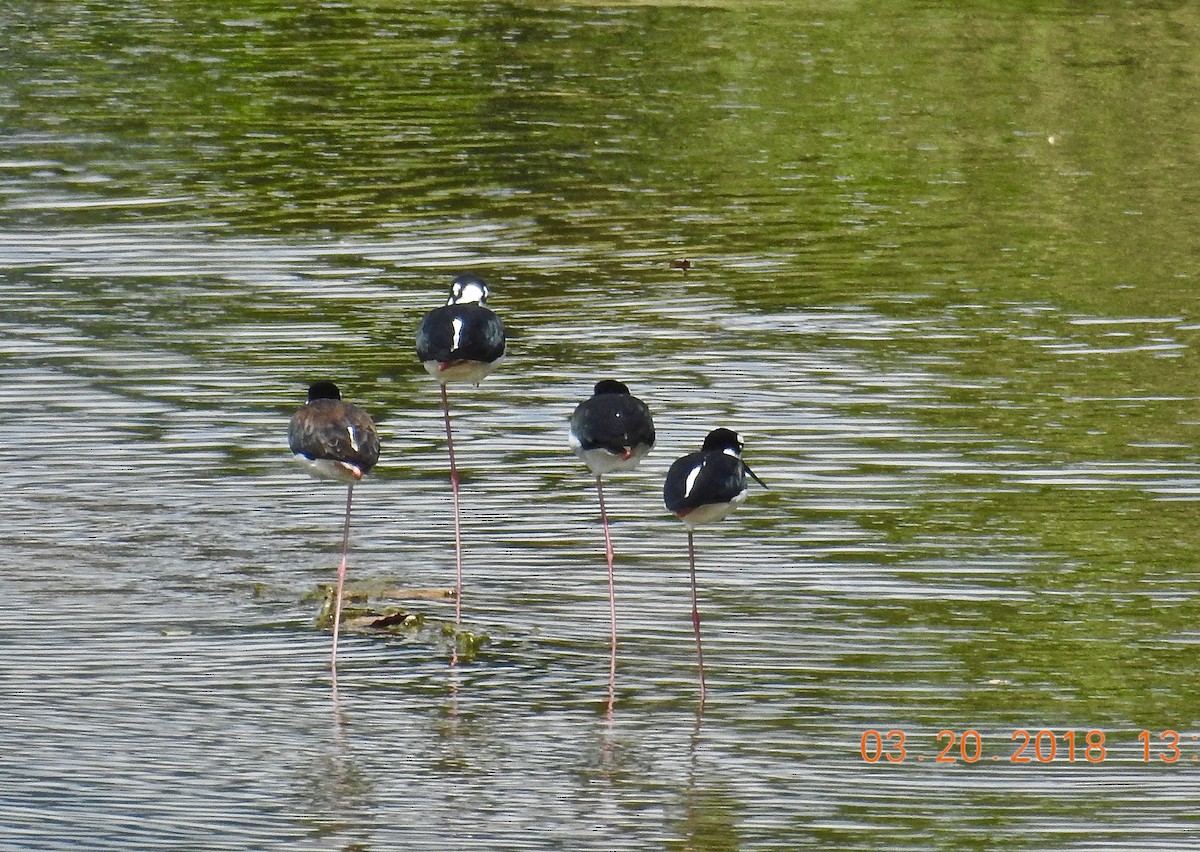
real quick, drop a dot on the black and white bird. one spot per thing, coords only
(334, 440)
(702, 488)
(611, 431)
(462, 341)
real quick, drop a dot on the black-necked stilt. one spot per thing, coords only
(611, 431)
(334, 440)
(462, 341)
(702, 488)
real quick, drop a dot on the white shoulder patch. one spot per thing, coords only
(690, 483)
(456, 341)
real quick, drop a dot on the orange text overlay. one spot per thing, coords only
(1023, 746)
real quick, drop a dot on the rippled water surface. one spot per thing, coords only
(943, 272)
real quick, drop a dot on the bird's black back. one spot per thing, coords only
(481, 338)
(722, 477)
(612, 421)
(320, 430)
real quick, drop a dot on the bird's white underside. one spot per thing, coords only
(329, 469)
(712, 512)
(464, 371)
(602, 461)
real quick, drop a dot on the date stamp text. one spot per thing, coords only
(1023, 746)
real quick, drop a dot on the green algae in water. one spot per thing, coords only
(361, 611)
(359, 614)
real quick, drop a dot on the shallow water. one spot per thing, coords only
(942, 282)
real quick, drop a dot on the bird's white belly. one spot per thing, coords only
(602, 461)
(329, 469)
(712, 512)
(463, 371)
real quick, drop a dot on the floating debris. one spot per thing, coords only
(396, 593)
(360, 613)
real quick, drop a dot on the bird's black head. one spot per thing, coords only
(468, 288)
(611, 386)
(728, 441)
(323, 390)
(722, 440)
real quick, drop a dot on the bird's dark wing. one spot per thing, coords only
(700, 479)
(435, 334)
(484, 336)
(330, 429)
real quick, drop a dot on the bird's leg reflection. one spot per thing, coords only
(709, 820)
(612, 682)
(338, 790)
(339, 717)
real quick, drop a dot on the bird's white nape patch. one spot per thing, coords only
(732, 451)
(465, 294)
(471, 292)
(456, 341)
(690, 483)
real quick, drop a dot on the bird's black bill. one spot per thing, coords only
(754, 476)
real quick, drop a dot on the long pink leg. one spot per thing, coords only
(608, 553)
(341, 578)
(612, 595)
(696, 616)
(457, 524)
